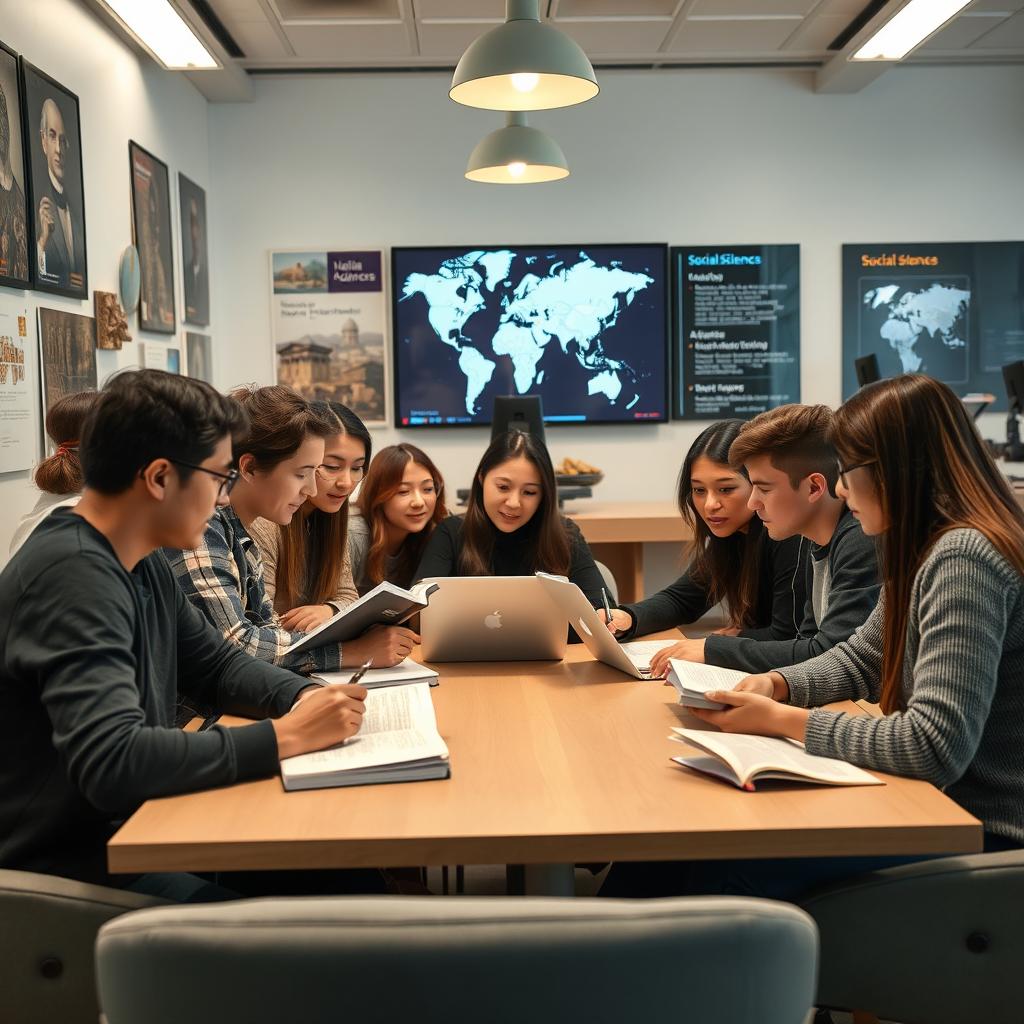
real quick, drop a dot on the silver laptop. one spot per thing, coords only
(491, 618)
(632, 658)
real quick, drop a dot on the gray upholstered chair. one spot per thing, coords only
(610, 583)
(731, 961)
(937, 942)
(48, 932)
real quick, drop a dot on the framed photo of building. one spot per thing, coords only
(195, 267)
(328, 316)
(151, 219)
(67, 354)
(15, 269)
(56, 201)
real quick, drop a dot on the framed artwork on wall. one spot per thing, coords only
(195, 267)
(151, 219)
(53, 132)
(15, 270)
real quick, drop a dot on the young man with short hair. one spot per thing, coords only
(99, 637)
(793, 473)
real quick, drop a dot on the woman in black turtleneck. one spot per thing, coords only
(512, 526)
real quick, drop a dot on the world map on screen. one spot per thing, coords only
(498, 306)
(924, 325)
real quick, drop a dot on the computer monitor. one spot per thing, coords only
(518, 412)
(867, 369)
(1013, 378)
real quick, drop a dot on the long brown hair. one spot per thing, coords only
(61, 473)
(312, 547)
(932, 473)
(382, 483)
(729, 568)
(551, 542)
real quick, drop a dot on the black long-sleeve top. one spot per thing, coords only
(781, 596)
(91, 660)
(513, 556)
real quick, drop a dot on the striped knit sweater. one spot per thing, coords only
(963, 685)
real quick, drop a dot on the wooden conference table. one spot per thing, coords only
(552, 763)
(617, 531)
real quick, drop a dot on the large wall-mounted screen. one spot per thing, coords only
(582, 326)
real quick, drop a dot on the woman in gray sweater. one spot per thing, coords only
(943, 652)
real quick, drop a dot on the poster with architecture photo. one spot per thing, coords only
(327, 326)
(17, 397)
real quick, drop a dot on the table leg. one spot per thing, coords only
(550, 880)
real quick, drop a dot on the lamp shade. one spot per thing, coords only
(523, 65)
(517, 155)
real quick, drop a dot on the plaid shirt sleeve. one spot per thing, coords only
(223, 578)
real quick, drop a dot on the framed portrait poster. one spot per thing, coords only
(195, 267)
(151, 219)
(198, 359)
(67, 355)
(56, 200)
(15, 271)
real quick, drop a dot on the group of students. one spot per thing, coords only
(873, 552)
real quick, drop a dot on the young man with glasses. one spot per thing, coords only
(793, 474)
(223, 574)
(99, 640)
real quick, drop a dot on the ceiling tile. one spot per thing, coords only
(728, 36)
(961, 32)
(447, 40)
(338, 10)
(259, 42)
(814, 34)
(750, 8)
(1003, 6)
(618, 38)
(614, 8)
(469, 10)
(352, 44)
(1007, 36)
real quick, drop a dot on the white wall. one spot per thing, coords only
(122, 95)
(696, 156)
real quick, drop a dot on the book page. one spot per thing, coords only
(748, 755)
(405, 672)
(399, 725)
(640, 652)
(701, 678)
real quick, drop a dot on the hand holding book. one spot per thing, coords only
(753, 713)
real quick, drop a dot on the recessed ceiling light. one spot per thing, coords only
(163, 32)
(907, 29)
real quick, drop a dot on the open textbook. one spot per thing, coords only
(407, 672)
(397, 742)
(744, 760)
(385, 605)
(692, 681)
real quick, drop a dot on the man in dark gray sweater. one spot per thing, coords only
(793, 473)
(98, 638)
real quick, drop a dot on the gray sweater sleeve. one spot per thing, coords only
(960, 608)
(853, 595)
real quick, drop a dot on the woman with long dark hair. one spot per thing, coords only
(58, 476)
(306, 568)
(761, 582)
(512, 526)
(400, 504)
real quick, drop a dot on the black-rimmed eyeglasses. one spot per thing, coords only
(227, 480)
(844, 470)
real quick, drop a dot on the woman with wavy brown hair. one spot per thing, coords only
(59, 476)
(400, 504)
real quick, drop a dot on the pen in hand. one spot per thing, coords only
(359, 672)
(607, 606)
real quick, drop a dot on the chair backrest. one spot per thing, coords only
(48, 929)
(940, 941)
(421, 959)
(609, 581)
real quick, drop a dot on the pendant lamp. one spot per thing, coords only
(523, 65)
(517, 155)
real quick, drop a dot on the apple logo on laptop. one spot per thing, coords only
(493, 621)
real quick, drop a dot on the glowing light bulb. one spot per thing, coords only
(516, 169)
(524, 81)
